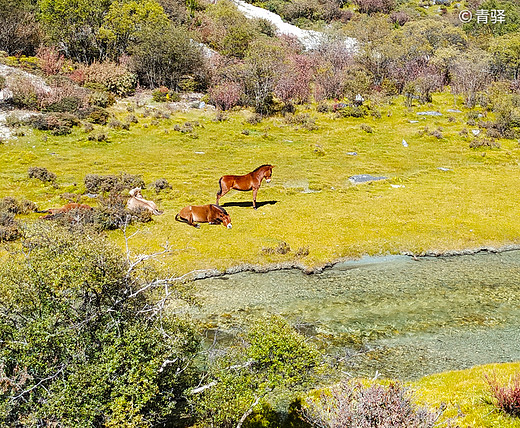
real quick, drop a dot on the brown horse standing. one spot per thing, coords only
(246, 182)
(212, 214)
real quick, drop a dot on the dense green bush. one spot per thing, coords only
(163, 58)
(270, 356)
(77, 348)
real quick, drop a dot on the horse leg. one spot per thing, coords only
(191, 222)
(255, 191)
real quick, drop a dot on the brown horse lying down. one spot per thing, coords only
(64, 209)
(212, 214)
(137, 202)
(246, 182)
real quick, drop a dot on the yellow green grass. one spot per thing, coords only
(316, 206)
(467, 396)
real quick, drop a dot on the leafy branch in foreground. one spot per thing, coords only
(271, 357)
(74, 347)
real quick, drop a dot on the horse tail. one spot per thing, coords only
(219, 193)
(180, 219)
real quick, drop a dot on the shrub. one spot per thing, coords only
(115, 78)
(2, 82)
(226, 95)
(161, 184)
(50, 60)
(350, 111)
(352, 405)
(13, 206)
(42, 174)
(282, 248)
(9, 230)
(24, 94)
(53, 122)
(163, 94)
(131, 118)
(98, 115)
(366, 128)
(254, 119)
(101, 99)
(479, 143)
(322, 108)
(399, 18)
(303, 119)
(77, 346)
(506, 397)
(270, 356)
(112, 183)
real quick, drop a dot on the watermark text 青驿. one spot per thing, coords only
(483, 16)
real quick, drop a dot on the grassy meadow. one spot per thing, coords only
(466, 395)
(310, 203)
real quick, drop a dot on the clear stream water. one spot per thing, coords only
(394, 315)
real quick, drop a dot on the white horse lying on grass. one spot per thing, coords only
(137, 202)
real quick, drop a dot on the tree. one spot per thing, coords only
(505, 51)
(127, 21)
(263, 62)
(471, 74)
(78, 346)
(162, 58)
(20, 33)
(73, 25)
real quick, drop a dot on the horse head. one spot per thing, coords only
(136, 193)
(268, 173)
(223, 216)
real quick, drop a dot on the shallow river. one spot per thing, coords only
(393, 315)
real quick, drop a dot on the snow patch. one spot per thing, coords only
(309, 38)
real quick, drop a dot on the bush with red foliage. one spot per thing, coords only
(226, 95)
(506, 397)
(50, 60)
(294, 83)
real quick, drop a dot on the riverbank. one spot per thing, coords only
(341, 264)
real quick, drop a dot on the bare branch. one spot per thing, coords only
(203, 388)
(39, 383)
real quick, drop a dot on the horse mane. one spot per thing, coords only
(221, 209)
(261, 166)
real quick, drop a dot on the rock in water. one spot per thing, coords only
(363, 178)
